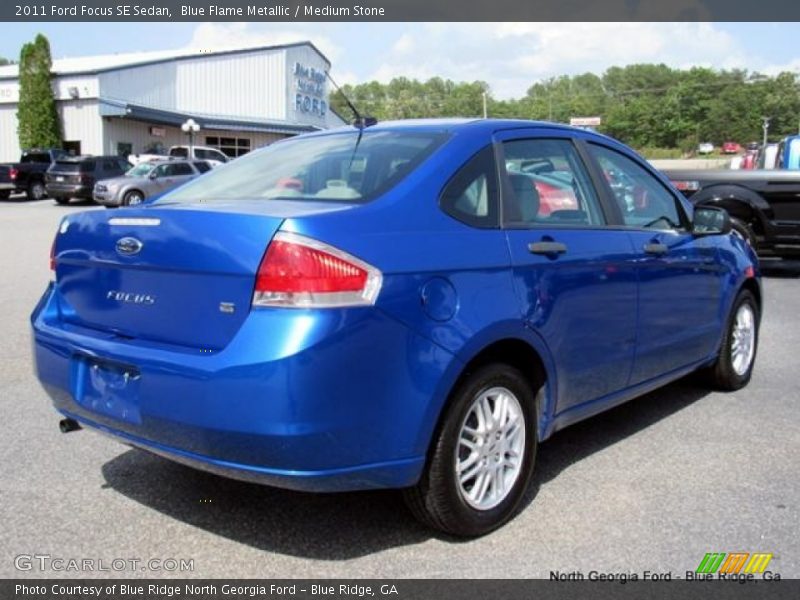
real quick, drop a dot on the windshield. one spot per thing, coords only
(335, 167)
(140, 170)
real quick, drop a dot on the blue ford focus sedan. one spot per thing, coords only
(409, 305)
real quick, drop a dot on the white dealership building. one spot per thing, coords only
(130, 103)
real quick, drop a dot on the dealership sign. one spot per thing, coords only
(585, 121)
(309, 86)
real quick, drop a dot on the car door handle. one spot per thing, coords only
(656, 248)
(547, 248)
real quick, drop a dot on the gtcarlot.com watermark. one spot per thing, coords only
(59, 564)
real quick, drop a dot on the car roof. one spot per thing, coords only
(460, 124)
(83, 157)
(171, 161)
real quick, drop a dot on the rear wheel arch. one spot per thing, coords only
(752, 286)
(515, 352)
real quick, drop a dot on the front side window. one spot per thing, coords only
(548, 185)
(180, 169)
(341, 167)
(141, 170)
(643, 200)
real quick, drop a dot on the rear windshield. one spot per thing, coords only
(337, 168)
(74, 167)
(179, 152)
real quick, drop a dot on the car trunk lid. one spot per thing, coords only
(179, 274)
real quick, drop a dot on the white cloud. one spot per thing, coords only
(511, 56)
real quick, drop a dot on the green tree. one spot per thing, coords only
(4, 61)
(38, 123)
(646, 106)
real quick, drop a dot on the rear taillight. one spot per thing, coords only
(13, 173)
(300, 272)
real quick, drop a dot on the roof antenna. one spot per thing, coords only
(359, 121)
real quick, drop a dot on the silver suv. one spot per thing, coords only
(147, 179)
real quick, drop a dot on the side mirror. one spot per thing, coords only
(710, 220)
(153, 174)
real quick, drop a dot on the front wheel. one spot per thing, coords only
(482, 457)
(132, 198)
(734, 365)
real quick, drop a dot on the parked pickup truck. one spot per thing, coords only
(28, 174)
(764, 205)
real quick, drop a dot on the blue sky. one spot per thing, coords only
(509, 56)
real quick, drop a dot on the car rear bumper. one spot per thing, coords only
(325, 408)
(69, 190)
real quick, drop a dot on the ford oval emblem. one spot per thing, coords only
(129, 246)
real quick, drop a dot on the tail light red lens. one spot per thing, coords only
(300, 272)
(13, 173)
(53, 255)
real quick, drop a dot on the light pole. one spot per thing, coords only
(190, 127)
(765, 127)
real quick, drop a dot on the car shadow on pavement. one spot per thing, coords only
(781, 269)
(319, 526)
(583, 439)
(350, 525)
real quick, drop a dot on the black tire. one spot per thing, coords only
(746, 232)
(132, 198)
(723, 374)
(5, 194)
(438, 499)
(61, 199)
(36, 190)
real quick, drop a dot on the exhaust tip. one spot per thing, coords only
(67, 425)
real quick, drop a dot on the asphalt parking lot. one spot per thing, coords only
(652, 485)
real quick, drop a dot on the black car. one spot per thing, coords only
(74, 177)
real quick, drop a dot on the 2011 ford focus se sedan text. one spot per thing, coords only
(393, 306)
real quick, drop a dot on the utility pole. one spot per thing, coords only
(485, 113)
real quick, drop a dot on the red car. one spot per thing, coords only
(731, 148)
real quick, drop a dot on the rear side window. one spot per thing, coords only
(339, 167)
(642, 199)
(201, 166)
(471, 195)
